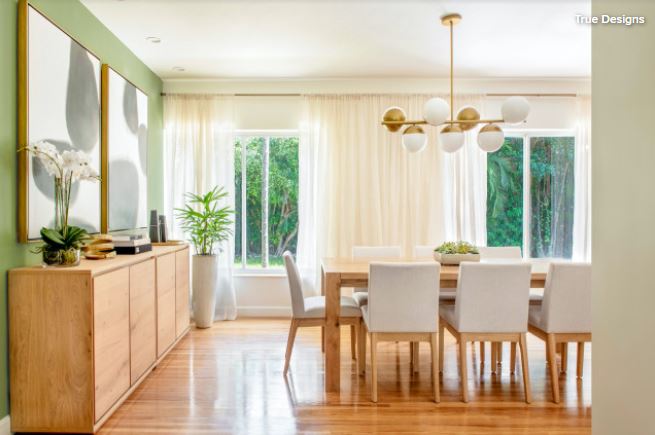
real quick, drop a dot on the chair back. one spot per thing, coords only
(403, 297)
(492, 297)
(566, 306)
(424, 251)
(376, 252)
(295, 285)
(500, 252)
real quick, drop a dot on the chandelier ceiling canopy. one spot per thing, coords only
(437, 112)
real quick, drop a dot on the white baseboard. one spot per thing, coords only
(5, 426)
(263, 311)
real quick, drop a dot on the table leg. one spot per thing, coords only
(332, 286)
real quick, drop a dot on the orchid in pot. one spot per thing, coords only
(206, 224)
(62, 244)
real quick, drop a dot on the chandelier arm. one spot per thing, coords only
(463, 121)
(475, 121)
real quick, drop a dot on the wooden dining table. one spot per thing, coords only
(337, 273)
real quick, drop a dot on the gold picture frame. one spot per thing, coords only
(106, 156)
(23, 135)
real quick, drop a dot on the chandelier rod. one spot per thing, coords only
(451, 71)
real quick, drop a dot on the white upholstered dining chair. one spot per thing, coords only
(491, 305)
(310, 311)
(360, 294)
(374, 253)
(564, 316)
(403, 306)
(493, 254)
(500, 253)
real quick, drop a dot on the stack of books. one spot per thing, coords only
(131, 244)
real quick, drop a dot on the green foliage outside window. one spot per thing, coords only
(505, 194)
(552, 190)
(282, 198)
(551, 196)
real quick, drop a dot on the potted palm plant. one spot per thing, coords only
(456, 252)
(61, 244)
(206, 225)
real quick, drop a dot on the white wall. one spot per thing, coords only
(623, 216)
(267, 295)
(267, 113)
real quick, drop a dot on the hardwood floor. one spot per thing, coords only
(228, 379)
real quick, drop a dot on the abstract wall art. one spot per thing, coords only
(126, 152)
(59, 102)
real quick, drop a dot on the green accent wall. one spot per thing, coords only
(75, 19)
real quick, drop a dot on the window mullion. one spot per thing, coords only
(244, 214)
(526, 196)
(265, 164)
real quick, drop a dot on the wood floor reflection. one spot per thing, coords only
(228, 379)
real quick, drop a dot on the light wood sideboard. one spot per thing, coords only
(81, 339)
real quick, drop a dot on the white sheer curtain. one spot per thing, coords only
(358, 186)
(582, 214)
(199, 154)
(465, 185)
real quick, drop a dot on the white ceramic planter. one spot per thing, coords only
(455, 258)
(205, 277)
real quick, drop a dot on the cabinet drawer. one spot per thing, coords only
(181, 291)
(111, 324)
(143, 335)
(165, 302)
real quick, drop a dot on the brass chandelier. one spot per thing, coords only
(437, 112)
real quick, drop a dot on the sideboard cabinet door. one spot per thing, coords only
(143, 328)
(165, 302)
(111, 324)
(181, 291)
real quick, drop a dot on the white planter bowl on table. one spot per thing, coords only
(454, 259)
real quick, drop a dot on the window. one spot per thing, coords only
(266, 186)
(530, 195)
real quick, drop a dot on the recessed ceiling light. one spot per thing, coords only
(153, 39)
(179, 69)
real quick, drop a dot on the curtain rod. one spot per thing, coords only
(531, 95)
(164, 94)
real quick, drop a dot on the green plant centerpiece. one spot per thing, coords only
(206, 224)
(456, 252)
(61, 244)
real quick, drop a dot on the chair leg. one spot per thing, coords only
(415, 353)
(580, 358)
(494, 357)
(525, 369)
(411, 354)
(463, 369)
(499, 353)
(290, 340)
(374, 367)
(565, 357)
(361, 345)
(551, 350)
(353, 341)
(512, 357)
(441, 346)
(323, 339)
(482, 356)
(434, 350)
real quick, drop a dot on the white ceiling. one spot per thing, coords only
(262, 39)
